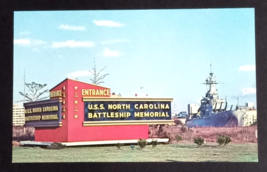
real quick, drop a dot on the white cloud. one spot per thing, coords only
(247, 68)
(72, 44)
(246, 91)
(78, 74)
(109, 53)
(108, 23)
(22, 41)
(115, 41)
(28, 42)
(67, 27)
(38, 42)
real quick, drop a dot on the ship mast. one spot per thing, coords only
(212, 93)
(211, 83)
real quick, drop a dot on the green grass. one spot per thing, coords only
(245, 152)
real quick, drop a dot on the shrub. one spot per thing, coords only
(178, 122)
(178, 138)
(220, 140)
(227, 140)
(142, 143)
(223, 140)
(184, 129)
(119, 145)
(132, 146)
(55, 145)
(199, 141)
(154, 143)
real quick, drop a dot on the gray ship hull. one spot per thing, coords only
(222, 119)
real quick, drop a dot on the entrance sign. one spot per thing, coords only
(45, 113)
(81, 112)
(96, 92)
(126, 109)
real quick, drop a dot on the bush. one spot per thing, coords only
(199, 141)
(178, 138)
(55, 146)
(223, 140)
(132, 147)
(178, 122)
(220, 140)
(142, 143)
(227, 140)
(184, 129)
(119, 145)
(154, 143)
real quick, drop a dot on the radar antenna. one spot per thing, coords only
(210, 67)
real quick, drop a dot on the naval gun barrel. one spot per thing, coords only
(220, 107)
(231, 107)
(214, 110)
(225, 106)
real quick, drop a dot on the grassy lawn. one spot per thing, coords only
(234, 152)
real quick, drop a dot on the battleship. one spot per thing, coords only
(211, 112)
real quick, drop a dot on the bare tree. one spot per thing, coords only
(96, 78)
(34, 92)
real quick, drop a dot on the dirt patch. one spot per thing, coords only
(15, 143)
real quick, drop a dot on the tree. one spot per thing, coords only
(96, 78)
(34, 92)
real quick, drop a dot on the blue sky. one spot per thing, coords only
(167, 52)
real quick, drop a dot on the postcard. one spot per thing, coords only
(154, 85)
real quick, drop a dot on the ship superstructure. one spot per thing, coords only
(213, 92)
(212, 112)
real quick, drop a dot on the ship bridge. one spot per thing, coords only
(212, 93)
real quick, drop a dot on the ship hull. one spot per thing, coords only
(222, 119)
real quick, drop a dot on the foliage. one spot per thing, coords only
(119, 145)
(220, 140)
(184, 129)
(142, 143)
(178, 138)
(178, 122)
(210, 134)
(96, 78)
(23, 133)
(223, 140)
(55, 146)
(154, 143)
(227, 140)
(199, 141)
(132, 146)
(34, 92)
